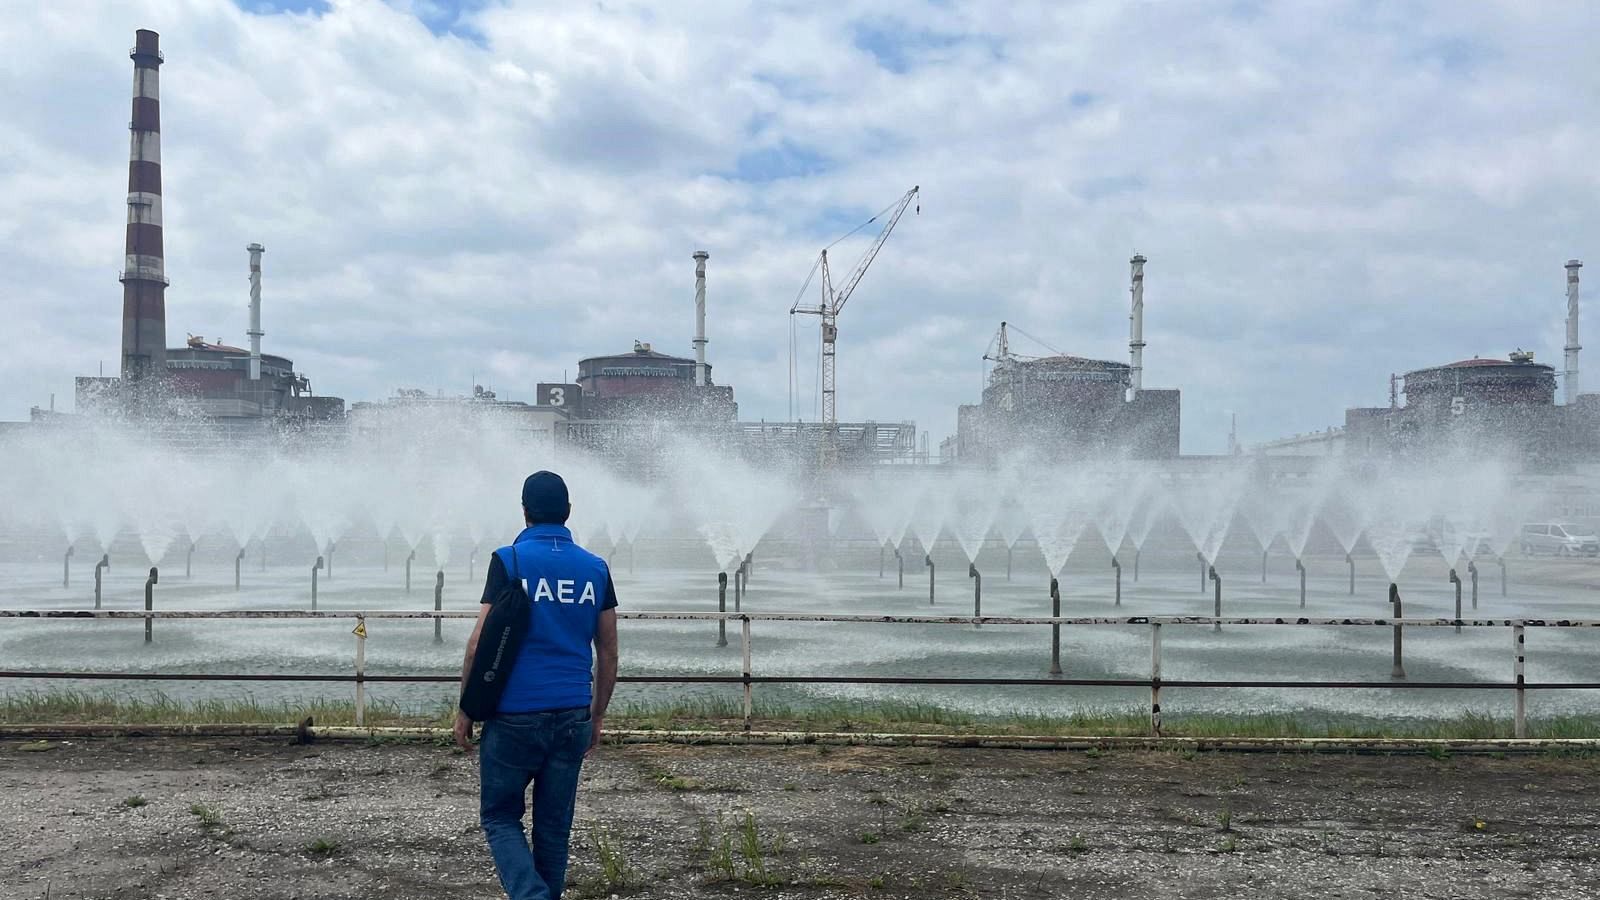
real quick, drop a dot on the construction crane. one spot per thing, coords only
(834, 299)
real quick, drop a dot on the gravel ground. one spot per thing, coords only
(244, 818)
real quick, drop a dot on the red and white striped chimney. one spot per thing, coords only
(144, 278)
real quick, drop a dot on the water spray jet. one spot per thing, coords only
(472, 563)
(150, 600)
(1204, 567)
(1456, 580)
(1301, 568)
(1351, 560)
(722, 607)
(1501, 559)
(1217, 582)
(1136, 552)
(1472, 571)
(1263, 566)
(928, 559)
(100, 567)
(1055, 630)
(1399, 669)
(332, 546)
(438, 606)
(977, 591)
(314, 570)
(238, 561)
(66, 568)
(1008, 562)
(409, 557)
(1118, 567)
(900, 562)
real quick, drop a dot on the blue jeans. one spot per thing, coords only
(545, 748)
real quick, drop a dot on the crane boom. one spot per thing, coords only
(834, 300)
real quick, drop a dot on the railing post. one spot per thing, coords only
(1155, 679)
(66, 568)
(438, 605)
(99, 567)
(150, 600)
(1203, 567)
(1351, 560)
(314, 570)
(1520, 721)
(1301, 568)
(1118, 566)
(1217, 582)
(361, 670)
(722, 607)
(928, 558)
(749, 706)
(1399, 670)
(1472, 572)
(237, 562)
(1456, 580)
(1055, 630)
(977, 591)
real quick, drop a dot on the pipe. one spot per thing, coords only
(722, 607)
(409, 558)
(1008, 562)
(1118, 566)
(977, 590)
(314, 570)
(1301, 568)
(1472, 570)
(188, 562)
(263, 553)
(1570, 384)
(150, 599)
(749, 566)
(700, 257)
(255, 331)
(1456, 580)
(1136, 328)
(1502, 561)
(66, 568)
(1351, 560)
(332, 546)
(1263, 565)
(1399, 670)
(630, 557)
(738, 588)
(386, 554)
(900, 562)
(880, 560)
(237, 562)
(438, 605)
(1055, 630)
(1204, 566)
(1217, 581)
(1136, 552)
(928, 558)
(144, 278)
(103, 564)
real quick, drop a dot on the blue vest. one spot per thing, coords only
(566, 586)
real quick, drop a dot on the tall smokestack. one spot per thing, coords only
(144, 278)
(1136, 328)
(700, 257)
(1571, 380)
(255, 331)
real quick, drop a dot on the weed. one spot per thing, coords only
(1228, 846)
(1438, 752)
(912, 820)
(877, 882)
(791, 787)
(323, 847)
(869, 838)
(136, 801)
(615, 873)
(1077, 844)
(209, 816)
(1225, 817)
(1093, 753)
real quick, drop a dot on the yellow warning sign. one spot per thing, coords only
(360, 630)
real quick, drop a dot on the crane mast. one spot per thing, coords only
(833, 299)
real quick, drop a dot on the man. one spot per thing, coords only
(550, 714)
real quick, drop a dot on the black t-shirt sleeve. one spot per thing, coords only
(610, 602)
(497, 579)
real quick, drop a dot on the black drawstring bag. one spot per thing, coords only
(504, 630)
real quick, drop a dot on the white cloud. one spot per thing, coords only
(1327, 192)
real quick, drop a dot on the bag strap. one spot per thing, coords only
(512, 569)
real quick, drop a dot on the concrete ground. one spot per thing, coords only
(246, 818)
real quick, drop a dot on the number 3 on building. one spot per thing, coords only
(558, 396)
(1458, 405)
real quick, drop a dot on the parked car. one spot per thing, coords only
(1559, 540)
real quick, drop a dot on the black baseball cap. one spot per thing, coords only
(544, 497)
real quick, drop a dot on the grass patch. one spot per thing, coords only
(209, 816)
(716, 713)
(742, 852)
(136, 801)
(323, 847)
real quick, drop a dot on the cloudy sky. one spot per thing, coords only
(1327, 191)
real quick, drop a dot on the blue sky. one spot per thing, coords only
(1327, 191)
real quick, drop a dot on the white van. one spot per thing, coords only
(1559, 540)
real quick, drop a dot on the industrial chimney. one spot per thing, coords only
(1572, 384)
(144, 279)
(255, 331)
(700, 257)
(1136, 328)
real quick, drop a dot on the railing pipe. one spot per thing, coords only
(1216, 582)
(1456, 580)
(1472, 572)
(1520, 717)
(1399, 670)
(66, 568)
(150, 600)
(928, 558)
(1301, 568)
(977, 589)
(438, 606)
(361, 671)
(744, 640)
(1118, 567)
(314, 570)
(722, 607)
(1055, 630)
(100, 567)
(1155, 679)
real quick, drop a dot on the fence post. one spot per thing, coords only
(722, 607)
(1055, 630)
(438, 604)
(1399, 670)
(150, 599)
(99, 567)
(1155, 679)
(1520, 725)
(361, 670)
(749, 707)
